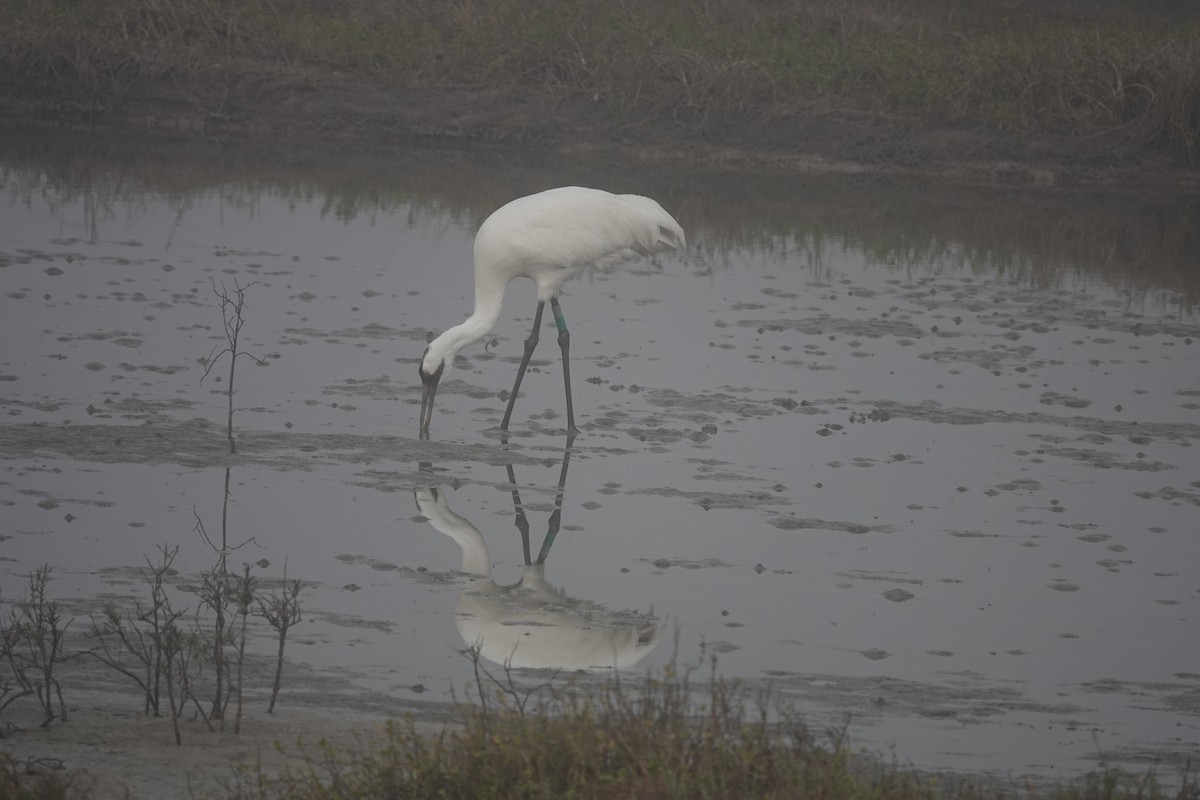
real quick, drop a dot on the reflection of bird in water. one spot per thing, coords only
(551, 237)
(531, 623)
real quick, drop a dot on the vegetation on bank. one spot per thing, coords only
(1126, 78)
(660, 737)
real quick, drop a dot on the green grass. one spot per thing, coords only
(1127, 74)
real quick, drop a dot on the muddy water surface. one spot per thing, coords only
(923, 459)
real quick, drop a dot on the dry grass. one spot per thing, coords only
(656, 738)
(1131, 78)
(660, 737)
(44, 780)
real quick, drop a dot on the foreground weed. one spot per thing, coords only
(281, 610)
(31, 642)
(661, 737)
(132, 645)
(42, 779)
(175, 657)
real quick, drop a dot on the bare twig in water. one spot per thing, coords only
(232, 307)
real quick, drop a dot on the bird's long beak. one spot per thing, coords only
(428, 390)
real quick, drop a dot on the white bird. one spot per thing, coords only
(550, 237)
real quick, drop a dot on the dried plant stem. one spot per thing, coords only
(232, 307)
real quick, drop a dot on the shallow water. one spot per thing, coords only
(923, 459)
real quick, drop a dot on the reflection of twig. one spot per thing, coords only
(225, 547)
(231, 318)
(218, 591)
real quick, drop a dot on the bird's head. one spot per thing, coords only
(432, 367)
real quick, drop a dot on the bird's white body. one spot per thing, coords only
(551, 237)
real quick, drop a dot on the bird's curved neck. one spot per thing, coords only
(474, 328)
(475, 557)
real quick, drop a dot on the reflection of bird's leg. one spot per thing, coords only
(556, 517)
(530, 343)
(519, 518)
(564, 342)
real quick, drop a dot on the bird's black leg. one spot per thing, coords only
(530, 343)
(564, 342)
